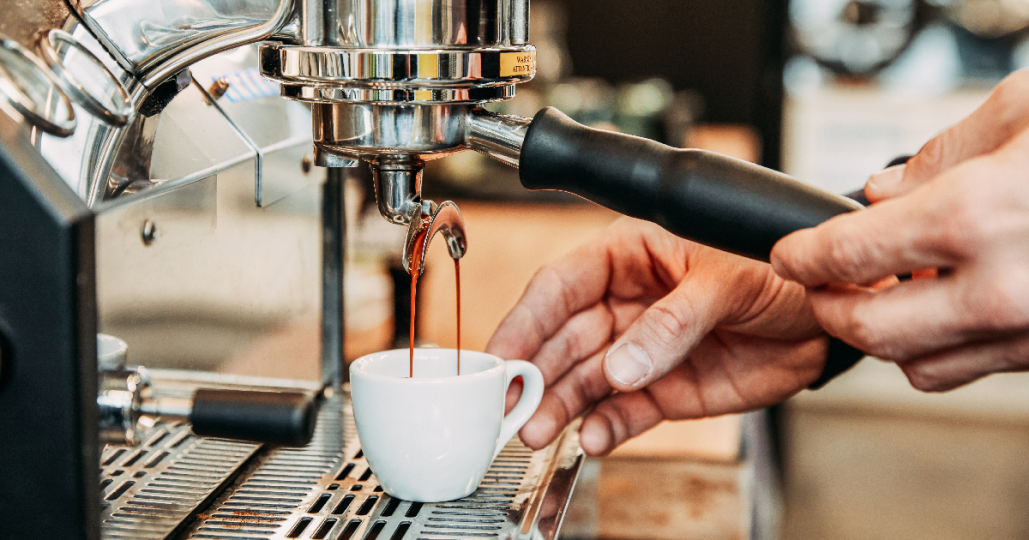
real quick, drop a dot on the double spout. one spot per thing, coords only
(398, 194)
(398, 183)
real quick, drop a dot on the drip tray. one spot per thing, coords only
(177, 485)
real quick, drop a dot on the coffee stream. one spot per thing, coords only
(416, 264)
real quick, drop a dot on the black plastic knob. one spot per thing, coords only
(282, 418)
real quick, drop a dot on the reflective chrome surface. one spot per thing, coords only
(468, 67)
(432, 23)
(120, 393)
(157, 43)
(369, 130)
(29, 90)
(398, 190)
(498, 136)
(387, 77)
(75, 68)
(333, 94)
(445, 219)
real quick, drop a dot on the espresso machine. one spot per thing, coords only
(172, 173)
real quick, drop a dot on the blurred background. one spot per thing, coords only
(828, 91)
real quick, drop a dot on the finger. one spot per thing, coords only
(565, 400)
(582, 336)
(555, 294)
(1004, 114)
(616, 420)
(892, 237)
(716, 379)
(665, 334)
(909, 320)
(956, 367)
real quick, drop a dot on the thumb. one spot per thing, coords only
(663, 336)
(1003, 115)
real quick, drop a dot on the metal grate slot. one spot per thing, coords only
(369, 503)
(136, 456)
(157, 437)
(319, 504)
(324, 529)
(352, 527)
(345, 472)
(367, 474)
(356, 487)
(297, 529)
(180, 438)
(156, 459)
(414, 509)
(120, 490)
(343, 504)
(401, 530)
(112, 456)
(375, 530)
(391, 507)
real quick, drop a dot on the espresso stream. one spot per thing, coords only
(416, 260)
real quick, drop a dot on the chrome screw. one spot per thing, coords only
(148, 232)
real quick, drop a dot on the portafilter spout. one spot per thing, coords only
(398, 182)
(446, 219)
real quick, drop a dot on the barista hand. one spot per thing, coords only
(676, 329)
(958, 215)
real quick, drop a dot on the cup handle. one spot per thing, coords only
(532, 393)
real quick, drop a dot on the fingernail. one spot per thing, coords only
(883, 182)
(628, 363)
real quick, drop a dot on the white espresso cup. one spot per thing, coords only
(432, 438)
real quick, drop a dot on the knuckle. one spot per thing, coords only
(922, 378)
(846, 256)
(953, 237)
(667, 321)
(1000, 304)
(963, 223)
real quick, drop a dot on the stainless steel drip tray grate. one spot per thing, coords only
(213, 489)
(149, 491)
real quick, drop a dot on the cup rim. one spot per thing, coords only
(358, 367)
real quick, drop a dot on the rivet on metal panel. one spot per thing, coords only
(148, 232)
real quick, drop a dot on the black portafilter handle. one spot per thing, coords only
(715, 200)
(281, 418)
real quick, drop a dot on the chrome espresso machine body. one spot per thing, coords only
(155, 185)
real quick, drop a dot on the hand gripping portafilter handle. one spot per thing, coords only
(284, 418)
(709, 198)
